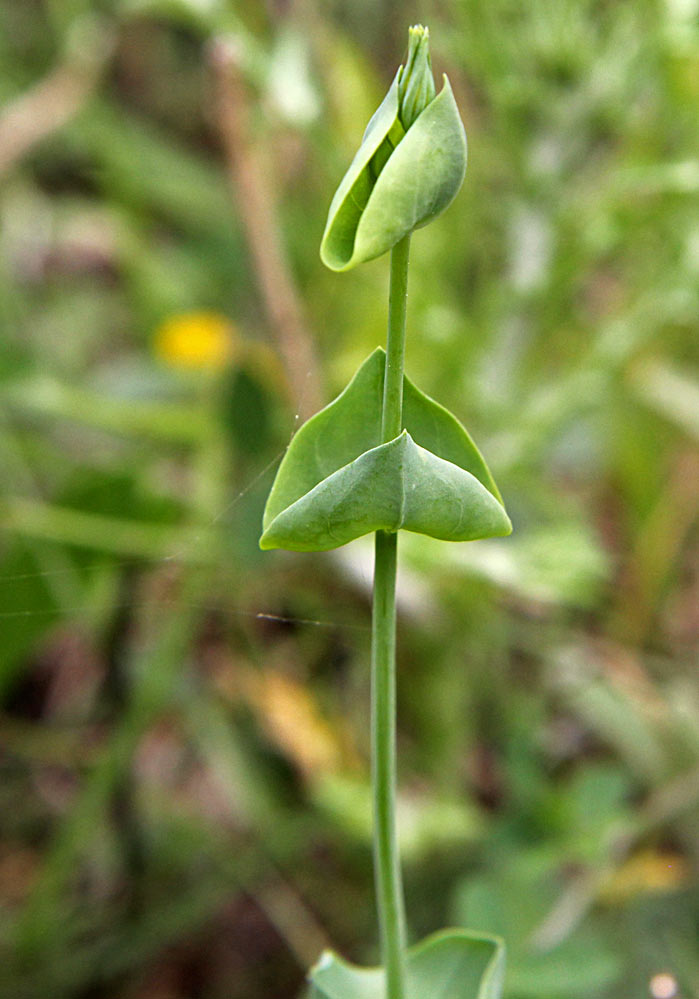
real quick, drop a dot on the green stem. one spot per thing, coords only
(391, 907)
(392, 416)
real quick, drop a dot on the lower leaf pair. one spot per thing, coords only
(453, 964)
(338, 482)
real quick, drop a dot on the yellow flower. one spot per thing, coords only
(196, 340)
(646, 872)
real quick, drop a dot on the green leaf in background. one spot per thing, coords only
(558, 564)
(393, 486)
(351, 425)
(513, 900)
(452, 964)
(426, 823)
(398, 180)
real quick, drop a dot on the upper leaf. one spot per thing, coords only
(398, 180)
(351, 197)
(393, 486)
(454, 964)
(351, 425)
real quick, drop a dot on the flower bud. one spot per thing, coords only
(416, 88)
(407, 170)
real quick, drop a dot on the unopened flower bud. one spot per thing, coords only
(416, 88)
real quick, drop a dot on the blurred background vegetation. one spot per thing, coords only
(184, 805)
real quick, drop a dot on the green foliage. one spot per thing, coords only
(514, 901)
(337, 483)
(398, 180)
(453, 964)
(395, 486)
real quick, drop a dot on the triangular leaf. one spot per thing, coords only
(351, 425)
(453, 964)
(395, 486)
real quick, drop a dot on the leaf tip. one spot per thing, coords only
(265, 543)
(507, 526)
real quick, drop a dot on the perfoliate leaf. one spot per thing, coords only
(397, 181)
(393, 486)
(453, 964)
(351, 425)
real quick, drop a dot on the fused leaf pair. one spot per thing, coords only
(338, 482)
(454, 964)
(408, 168)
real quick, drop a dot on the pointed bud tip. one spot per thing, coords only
(418, 31)
(418, 46)
(416, 89)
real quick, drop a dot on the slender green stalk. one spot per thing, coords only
(391, 907)
(392, 416)
(383, 723)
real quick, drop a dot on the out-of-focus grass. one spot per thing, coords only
(183, 727)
